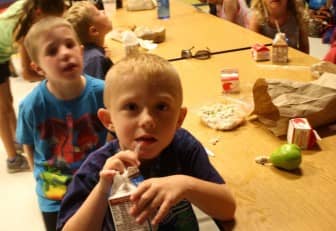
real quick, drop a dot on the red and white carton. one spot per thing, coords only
(230, 80)
(260, 52)
(301, 133)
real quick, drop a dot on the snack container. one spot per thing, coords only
(301, 133)
(230, 80)
(260, 52)
(280, 49)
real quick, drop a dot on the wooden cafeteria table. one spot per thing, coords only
(187, 27)
(268, 198)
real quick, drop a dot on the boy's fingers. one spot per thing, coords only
(107, 173)
(142, 188)
(115, 164)
(129, 157)
(163, 211)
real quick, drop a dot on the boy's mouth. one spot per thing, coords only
(70, 67)
(145, 140)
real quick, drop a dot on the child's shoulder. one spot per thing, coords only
(36, 94)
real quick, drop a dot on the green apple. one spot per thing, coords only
(287, 156)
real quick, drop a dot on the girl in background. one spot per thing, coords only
(290, 16)
(14, 24)
(235, 11)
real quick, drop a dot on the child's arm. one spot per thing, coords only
(303, 40)
(29, 150)
(91, 214)
(253, 23)
(231, 8)
(27, 72)
(156, 196)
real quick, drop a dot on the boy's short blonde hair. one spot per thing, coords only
(143, 67)
(32, 41)
(79, 15)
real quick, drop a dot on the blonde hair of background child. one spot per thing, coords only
(294, 6)
(31, 40)
(79, 15)
(28, 13)
(144, 67)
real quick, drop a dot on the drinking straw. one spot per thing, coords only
(277, 26)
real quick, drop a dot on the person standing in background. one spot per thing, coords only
(57, 122)
(14, 24)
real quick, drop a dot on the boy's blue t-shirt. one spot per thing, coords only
(62, 134)
(185, 155)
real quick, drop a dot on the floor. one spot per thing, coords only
(19, 203)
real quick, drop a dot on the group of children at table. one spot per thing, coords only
(63, 123)
(292, 17)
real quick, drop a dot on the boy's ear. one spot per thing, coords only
(104, 117)
(182, 115)
(37, 68)
(93, 31)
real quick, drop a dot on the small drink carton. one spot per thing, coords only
(301, 133)
(120, 204)
(230, 80)
(280, 49)
(260, 52)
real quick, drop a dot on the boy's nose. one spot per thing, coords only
(147, 120)
(64, 51)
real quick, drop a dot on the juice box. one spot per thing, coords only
(301, 133)
(230, 80)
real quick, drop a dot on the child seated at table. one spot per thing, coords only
(143, 100)
(291, 17)
(91, 26)
(235, 11)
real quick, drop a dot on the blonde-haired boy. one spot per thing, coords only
(57, 122)
(143, 99)
(91, 26)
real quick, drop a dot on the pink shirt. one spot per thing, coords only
(241, 17)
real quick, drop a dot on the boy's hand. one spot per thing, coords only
(117, 163)
(155, 196)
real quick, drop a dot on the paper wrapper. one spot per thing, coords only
(277, 101)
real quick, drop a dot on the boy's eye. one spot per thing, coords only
(70, 44)
(51, 51)
(131, 107)
(162, 106)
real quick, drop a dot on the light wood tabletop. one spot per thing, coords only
(268, 198)
(187, 27)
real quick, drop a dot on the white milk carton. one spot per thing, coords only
(230, 80)
(301, 133)
(280, 49)
(120, 204)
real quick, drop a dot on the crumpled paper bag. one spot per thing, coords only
(321, 67)
(135, 5)
(277, 101)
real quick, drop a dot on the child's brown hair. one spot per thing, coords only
(29, 11)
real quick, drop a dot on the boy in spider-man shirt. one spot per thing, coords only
(57, 122)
